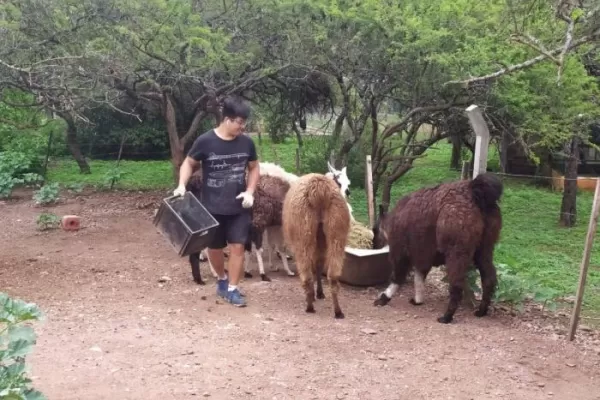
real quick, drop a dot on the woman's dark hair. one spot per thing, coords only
(235, 107)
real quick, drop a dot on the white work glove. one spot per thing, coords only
(180, 191)
(247, 199)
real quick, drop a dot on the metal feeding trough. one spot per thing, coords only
(365, 267)
(185, 223)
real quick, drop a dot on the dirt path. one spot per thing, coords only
(112, 331)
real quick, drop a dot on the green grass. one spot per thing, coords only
(532, 244)
(137, 175)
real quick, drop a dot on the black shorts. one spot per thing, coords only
(231, 229)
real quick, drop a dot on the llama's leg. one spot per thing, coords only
(261, 265)
(457, 265)
(309, 289)
(420, 274)
(401, 269)
(195, 263)
(210, 266)
(487, 271)
(247, 273)
(320, 294)
(274, 267)
(286, 266)
(334, 260)
(202, 256)
(258, 248)
(247, 255)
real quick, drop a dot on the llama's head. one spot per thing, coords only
(340, 177)
(380, 236)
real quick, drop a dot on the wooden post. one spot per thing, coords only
(297, 160)
(112, 181)
(585, 262)
(464, 173)
(369, 189)
(482, 140)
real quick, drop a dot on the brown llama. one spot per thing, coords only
(455, 224)
(316, 221)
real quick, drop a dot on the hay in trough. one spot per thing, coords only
(359, 236)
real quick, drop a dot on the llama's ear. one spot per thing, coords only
(329, 166)
(344, 170)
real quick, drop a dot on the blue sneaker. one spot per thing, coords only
(222, 286)
(234, 297)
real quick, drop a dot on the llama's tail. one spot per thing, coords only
(319, 193)
(486, 190)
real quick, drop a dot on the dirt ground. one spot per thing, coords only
(113, 331)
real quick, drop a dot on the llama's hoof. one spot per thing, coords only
(339, 315)
(247, 275)
(382, 300)
(310, 309)
(320, 295)
(444, 319)
(480, 313)
(265, 278)
(414, 302)
(200, 282)
(291, 273)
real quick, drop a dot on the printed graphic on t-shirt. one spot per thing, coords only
(225, 179)
(224, 169)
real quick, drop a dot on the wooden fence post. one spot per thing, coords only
(369, 189)
(585, 262)
(482, 139)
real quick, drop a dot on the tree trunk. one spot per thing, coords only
(298, 134)
(73, 144)
(175, 144)
(386, 192)
(456, 152)
(504, 145)
(568, 208)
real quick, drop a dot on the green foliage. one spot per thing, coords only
(47, 194)
(76, 187)
(513, 289)
(16, 342)
(546, 114)
(278, 124)
(113, 176)
(15, 170)
(46, 221)
(102, 139)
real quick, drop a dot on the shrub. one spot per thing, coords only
(17, 168)
(16, 341)
(47, 194)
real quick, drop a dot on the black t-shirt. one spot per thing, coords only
(224, 165)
